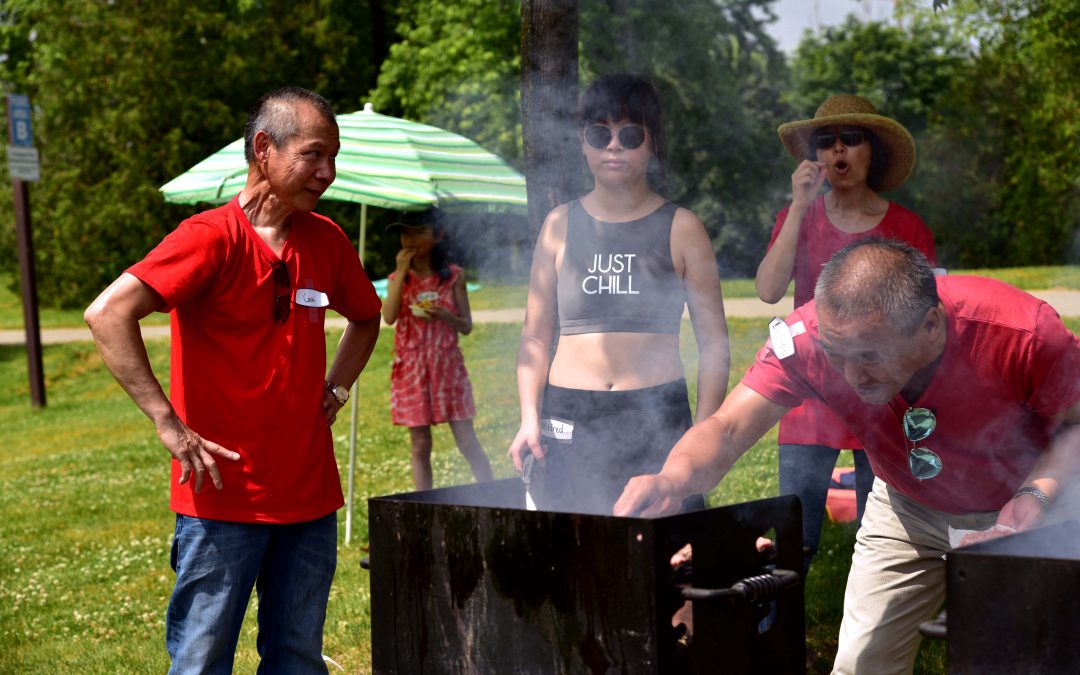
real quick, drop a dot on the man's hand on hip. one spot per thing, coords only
(194, 453)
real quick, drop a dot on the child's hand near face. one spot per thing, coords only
(404, 259)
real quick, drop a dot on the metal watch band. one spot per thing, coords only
(1034, 492)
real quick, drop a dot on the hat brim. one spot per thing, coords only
(898, 142)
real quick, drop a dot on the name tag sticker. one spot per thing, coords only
(798, 329)
(309, 297)
(557, 429)
(780, 336)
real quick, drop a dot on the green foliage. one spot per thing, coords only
(128, 95)
(1009, 127)
(990, 91)
(456, 66)
(720, 76)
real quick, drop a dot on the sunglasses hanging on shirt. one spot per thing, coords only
(918, 424)
(282, 292)
(630, 137)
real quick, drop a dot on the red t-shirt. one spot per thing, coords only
(1009, 365)
(240, 379)
(819, 239)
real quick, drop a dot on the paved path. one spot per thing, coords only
(1067, 303)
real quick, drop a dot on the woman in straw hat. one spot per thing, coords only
(861, 154)
(611, 274)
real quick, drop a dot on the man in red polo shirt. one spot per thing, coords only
(251, 402)
(966, 395)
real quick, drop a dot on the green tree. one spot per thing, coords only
(991, 92)
(128, 95)
(456, 66)
(905, 69)
(720, 76)
(1008, 136)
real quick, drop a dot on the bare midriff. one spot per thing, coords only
(615, 361)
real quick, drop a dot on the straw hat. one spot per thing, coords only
(849, 110)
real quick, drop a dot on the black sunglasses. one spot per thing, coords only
(630, 137)
(282, 295)
(918, 424)
(850, 138)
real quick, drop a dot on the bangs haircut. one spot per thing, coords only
(275, 113)
(878, 277)
(613, 98)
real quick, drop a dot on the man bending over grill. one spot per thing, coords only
(965, 392)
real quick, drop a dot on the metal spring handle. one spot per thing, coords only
(751, 589)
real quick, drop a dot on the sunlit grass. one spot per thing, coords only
(85, 528)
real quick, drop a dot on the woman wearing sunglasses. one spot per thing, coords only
(611, 274)
(860, 153)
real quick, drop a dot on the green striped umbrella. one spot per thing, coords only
(386, 162)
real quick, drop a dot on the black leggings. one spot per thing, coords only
(597, 440)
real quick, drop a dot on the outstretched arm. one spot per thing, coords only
(703, 456)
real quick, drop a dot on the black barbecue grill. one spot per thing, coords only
(465, 580)
(1011, 604)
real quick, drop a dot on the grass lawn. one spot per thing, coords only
(85, 528)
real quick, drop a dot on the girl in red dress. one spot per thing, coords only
(427, 299)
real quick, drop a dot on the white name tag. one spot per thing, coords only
(780, 336)
(560, 430)
(309, 297)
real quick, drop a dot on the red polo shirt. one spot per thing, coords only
(1008, 367)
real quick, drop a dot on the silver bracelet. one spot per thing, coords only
(1034, 492)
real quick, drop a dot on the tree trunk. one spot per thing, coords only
(549, 92)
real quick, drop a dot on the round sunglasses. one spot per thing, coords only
(630, 137)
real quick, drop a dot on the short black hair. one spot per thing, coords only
(275, 113)
(622, 96)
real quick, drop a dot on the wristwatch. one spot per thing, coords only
(1034, 492)
(339, 392)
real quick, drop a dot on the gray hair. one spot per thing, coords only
(878, 277)
(275, 113)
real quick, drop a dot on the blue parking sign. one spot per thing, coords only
(19, 130)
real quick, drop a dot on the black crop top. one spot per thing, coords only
(619, 277)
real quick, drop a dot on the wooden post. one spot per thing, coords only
(21, 138)
(549, 93)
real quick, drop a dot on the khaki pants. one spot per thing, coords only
(897, 581)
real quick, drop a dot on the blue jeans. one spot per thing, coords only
(217, 564)
(805, 470)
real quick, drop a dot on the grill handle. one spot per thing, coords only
(936, 629)
(751, 589)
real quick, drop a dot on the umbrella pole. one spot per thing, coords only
(353, 406)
